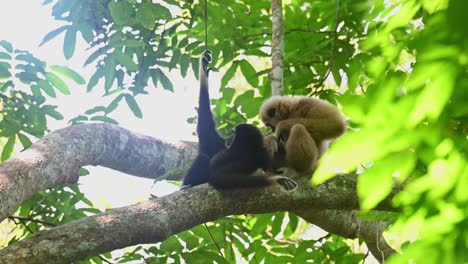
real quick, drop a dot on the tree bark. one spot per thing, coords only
(277, 48)
(155, 220)
(57, 158)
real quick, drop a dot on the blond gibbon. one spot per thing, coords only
(228, 167)
(302, 127)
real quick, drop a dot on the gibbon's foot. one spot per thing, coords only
(260, 172)
(206, 59)
(286, 183)
(289, 172)
(186, 186)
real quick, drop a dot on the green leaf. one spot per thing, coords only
(84, 172)
(145, 16)
(58, 83)
(5, 86)
(166, 83)
(432, 100)
(5, 56)
(351, 150)
(109, 77)
(69, 73)
(94, 80)
(248, 103)
(4, 73)
(25, 141)
(6, 45)
(53, 34)
(161, 12)
(195, 66)
(126, 61)
(375, 184)
(184, 64)
(336, 76)
(403, 16)
(134, 43)
(228, 93)
(133, 105)
(8, 148)
(47, 88)
(229, 74)
(171, 244)
(86, 32)
(78, 120)
(113, 105)
(154, 78)
(277, 223)
(95, 55)
(95, 110)
(105, 119)
(122, 13)
(50, 111)
(249, 72)
(26, 77)
(69, 43)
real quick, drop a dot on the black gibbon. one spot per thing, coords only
(233, 166)
(303, 126)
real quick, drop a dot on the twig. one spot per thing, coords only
(103, 259)
(282, 241)
(377, 240)
(21, 222)
(288, 32)
(27, 218)
(214, 241)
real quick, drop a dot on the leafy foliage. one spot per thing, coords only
(410, 107)
(251, 238)
(25, 84)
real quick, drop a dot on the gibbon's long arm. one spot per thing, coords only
(320, 129)
(209, 140)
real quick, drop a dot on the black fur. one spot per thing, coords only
(209, 140)
(228, 167)
(233, 167)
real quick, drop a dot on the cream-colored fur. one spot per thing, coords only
(305, 126)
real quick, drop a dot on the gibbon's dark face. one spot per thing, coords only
(271, 112)
(246, 130)
(246, 135)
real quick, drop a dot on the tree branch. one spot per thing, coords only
(277, 48)
(57, 158)
(155, 220)
(346, 224)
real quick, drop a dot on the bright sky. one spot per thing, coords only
(164, 113)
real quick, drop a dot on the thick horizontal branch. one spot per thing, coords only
(57, 158)
(345, 223)
(155, 220)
